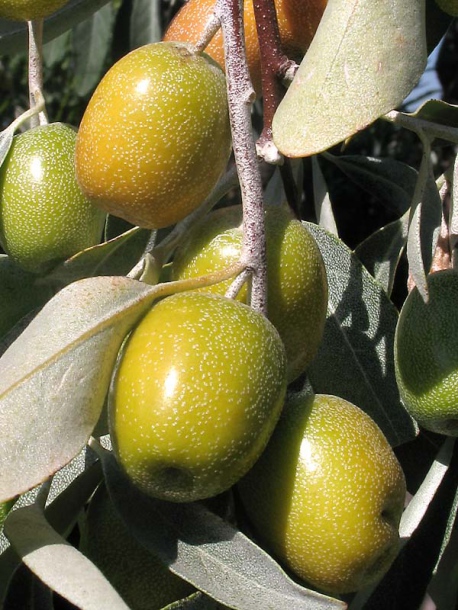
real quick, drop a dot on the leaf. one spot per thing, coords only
(58, 564)
(145, 22)
(20, 293)
(419, 504)
(56, 50)
(356, 357)
(443, 588)
(323, 206)
(424, 225)
(13, 34)
(392, 182)
(55, 376)
(208, 552)
(91, 43)
(365, 58)
(114, 257)
(62, 514)
(380, 252)
(437, 111)
(6, 139)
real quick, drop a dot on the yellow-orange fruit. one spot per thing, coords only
(155, 136)
(297, 21)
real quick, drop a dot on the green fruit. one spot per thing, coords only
(26, 10)
(448, 6)
(44, 216)
(197, 392)
(297, 294)
(327, 494)
(426, 354)
(155, 137)
(139, 577)
(20, 293)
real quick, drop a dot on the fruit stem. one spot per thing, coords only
(211, 27)
(241, 96)
(35, 29)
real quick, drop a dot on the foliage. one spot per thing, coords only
(383, 210)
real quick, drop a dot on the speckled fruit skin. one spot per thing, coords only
(197, 393)
(139, 577)
(44, 216)
(448, 6)
(327, 494)
(155, 136)
(426, 354)
(296, 277)
(297, 21)
(26, 10)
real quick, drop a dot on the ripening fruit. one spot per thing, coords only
(297, 21)
(138, 576)
(155, 136)
(426, 354)
(327, 494)
(197, 392)
(44, 216)
(26, 10)
(448, 6)
(297, 291)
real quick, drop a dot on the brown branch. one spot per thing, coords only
(241, 96)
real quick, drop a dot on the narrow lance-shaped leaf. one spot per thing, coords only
(365, 58)
(418, 506)
(91, 43)
(13, 34)
(356, 357)
(323, 206)
(424, 224)
(145, 22)
(62, 515)
(58, 564)
(208, 552)
(54, 377)
(390, 181)
(381, 252)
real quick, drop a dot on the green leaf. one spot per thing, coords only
(365, 58)
(58, 564)
(20, 293)
(207, 551)
(55, 51)
(356, 357)
(443, 588)
(419, 504)
(426, 214)
(322, 201)
(392, 182)
(381, 252)
(114, 257)
(62, 514)
(437, 111)
(145, 22)
(13, 34)
(91, 43)
(55, 376)
(6, 139)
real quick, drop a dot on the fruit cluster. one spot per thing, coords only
(202, 397)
